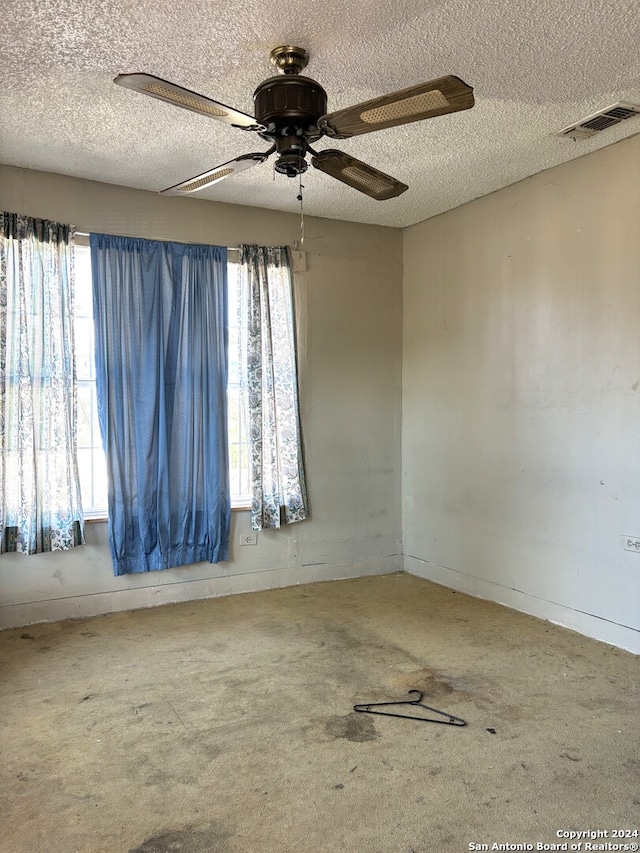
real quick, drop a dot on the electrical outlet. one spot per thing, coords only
(631, 543)
(249, 538)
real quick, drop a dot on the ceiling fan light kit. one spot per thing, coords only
(291, 113)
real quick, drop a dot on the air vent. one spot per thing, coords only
(601, 121)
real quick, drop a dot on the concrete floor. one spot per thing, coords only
(227, 725)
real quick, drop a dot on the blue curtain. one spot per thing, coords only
(160, 313)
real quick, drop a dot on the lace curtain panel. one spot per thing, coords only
(277, 469)
(160, 312)
(40, 506)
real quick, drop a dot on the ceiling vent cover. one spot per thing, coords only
(599, 121)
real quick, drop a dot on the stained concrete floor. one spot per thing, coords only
(226, 726)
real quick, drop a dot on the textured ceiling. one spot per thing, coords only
(536, 66)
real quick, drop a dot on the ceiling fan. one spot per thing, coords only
(291, 113)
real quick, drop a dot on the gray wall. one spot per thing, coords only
(520, 401)
(521, 395)
(349, 304)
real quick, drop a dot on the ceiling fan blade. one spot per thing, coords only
(435, 98)
(225, 170)
(147, 84)
(357, 174)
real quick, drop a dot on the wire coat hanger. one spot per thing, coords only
(449, 719)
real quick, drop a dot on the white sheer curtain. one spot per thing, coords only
(269, 353)
(40, 508)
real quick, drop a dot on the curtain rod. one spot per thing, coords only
(228, 248)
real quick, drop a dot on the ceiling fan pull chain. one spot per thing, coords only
(300, 188)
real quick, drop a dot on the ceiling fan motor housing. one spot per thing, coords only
(289, 101)
(289, 107)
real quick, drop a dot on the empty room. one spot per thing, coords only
(320, 424)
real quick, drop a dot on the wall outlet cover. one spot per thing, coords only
(298, 261)
(631, 543)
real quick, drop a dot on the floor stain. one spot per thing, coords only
(210, 838)
(440, 686)
(354, 727)
(609, 703)
(433, 683)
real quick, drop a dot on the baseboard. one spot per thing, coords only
(584, 623)
(101, 603)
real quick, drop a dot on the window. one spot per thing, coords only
(92, 465)
(91, 459)
(237, 402)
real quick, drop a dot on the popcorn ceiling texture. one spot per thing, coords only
(535, 68)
